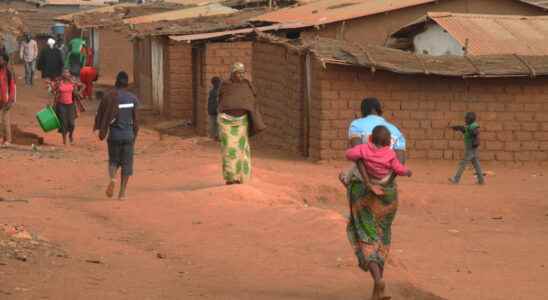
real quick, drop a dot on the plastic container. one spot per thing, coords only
(58, 29)
(48, 119)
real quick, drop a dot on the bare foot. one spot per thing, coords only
(381, 289)
(110, 189)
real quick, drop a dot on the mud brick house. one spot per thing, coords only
(180, 56)
(109, 36)
(372, 22)
(310, 93)
(443, 33)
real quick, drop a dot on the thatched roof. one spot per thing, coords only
(337, 52)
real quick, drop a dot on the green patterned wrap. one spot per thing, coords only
(370, 225)
(234, 136)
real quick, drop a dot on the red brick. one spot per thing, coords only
(458, 106)
(504, 156)
(435, 154)
(487, 155)
(427, 105)
(440, 144)
(530, 126)
(493, 145)
(409, 105)
(525, 116)
(489, 136)
(511, 126)
(543, 146)
(443, 106)
(523, 136)
(417, 154)
(540, 155)
(505, 136)
(423, 145)
(514, 107)
(541, 136)
(492, 126)
(440, 124)
(505, 116)
(541, 116)
(495, 107)
(532, 107)
(512, 146)
(523, 156)
(530, 145)
(448, 155)
(411, 124)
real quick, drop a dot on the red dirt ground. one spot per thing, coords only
(182, 234)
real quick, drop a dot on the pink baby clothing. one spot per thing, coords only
(379, 162)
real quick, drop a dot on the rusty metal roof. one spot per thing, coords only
(73, 2)
(538, 3)
(329, 11)
(339, 52)
(228, 33)
(194, 12)
(496, 34)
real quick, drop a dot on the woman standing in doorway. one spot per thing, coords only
(65, 107)
(239, 118)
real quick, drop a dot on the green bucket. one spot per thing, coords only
(48, 119)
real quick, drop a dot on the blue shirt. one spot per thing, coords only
(363, 128)
(122, 128)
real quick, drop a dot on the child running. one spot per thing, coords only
(379, 159)
(471, 145)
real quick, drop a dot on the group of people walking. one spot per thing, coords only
(376, 146)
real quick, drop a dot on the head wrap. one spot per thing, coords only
(51, 42)
(238, 67)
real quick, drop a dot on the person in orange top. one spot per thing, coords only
(64, 91)
(7, 98)
(88, 75)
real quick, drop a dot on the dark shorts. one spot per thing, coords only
(120, 154)
(67, 115)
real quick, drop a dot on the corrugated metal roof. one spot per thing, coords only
(538, 3)
(104, 9)
(496, 34)
(330, 11)
(194, 12)
(73, 2)
(339, 52)
(219, 34)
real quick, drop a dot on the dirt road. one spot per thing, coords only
(182, 234)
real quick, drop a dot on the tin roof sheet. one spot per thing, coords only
(338, 52)
(496, 34)
(329, 11)
(227, 33)
(73, 2)
(194, 12)
(538, 3)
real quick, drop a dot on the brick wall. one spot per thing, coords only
(278, 78)
(115, 55)
(178, 99)
(512, 113)
(217, 60)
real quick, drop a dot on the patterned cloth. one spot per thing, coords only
(370, 225)
(234, 136)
